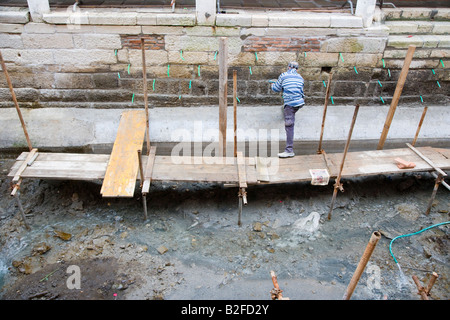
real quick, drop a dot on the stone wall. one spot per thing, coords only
(92, 59)
(97, 62)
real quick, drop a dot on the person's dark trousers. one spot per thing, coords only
(289, 122)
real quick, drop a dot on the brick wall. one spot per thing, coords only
(281, 44)
(151, 42)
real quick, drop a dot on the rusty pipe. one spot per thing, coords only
(362, 264)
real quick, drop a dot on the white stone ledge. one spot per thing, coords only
(420, 41)
(417, 26)
(405, 13)
(292, 20)
(241, 19)
(119, 18)
(14, 16)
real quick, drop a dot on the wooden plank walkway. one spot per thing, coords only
(71, 166)
(121, 172)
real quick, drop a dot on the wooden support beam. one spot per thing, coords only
(327, 96)
(16, 104)
(398, 91)
(420, 125)
(439, 170)
(242, 178)
(149, 170)
(24, 165)
(223, 92)
(338, 185)
(439, 178)
(241, 170)
(141, 168)
(22, 212)
(235, 110)
(148, 178)
(144, 76)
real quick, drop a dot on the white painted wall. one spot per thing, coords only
(76, 127)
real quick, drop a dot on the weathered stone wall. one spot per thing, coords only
(96, 61)
(92, 59)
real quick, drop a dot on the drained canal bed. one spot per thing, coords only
(191, 248)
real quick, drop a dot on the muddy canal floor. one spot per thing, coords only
(191, 248)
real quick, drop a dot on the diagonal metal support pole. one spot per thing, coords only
(338, 184)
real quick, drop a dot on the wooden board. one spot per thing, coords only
(201, 169)
(196, 169)
(69, 166)
(121, 173)
(23, 166)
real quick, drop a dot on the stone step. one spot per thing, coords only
(420, 41)
(418, 27)
(416, 13)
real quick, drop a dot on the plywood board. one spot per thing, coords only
(123, 166)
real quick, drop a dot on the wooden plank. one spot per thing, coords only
(56, 165)
(93, 166)
(223, 95)
(123, 166)
(24, 165)
(149, 170)
(59, 170)
(74, 157)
